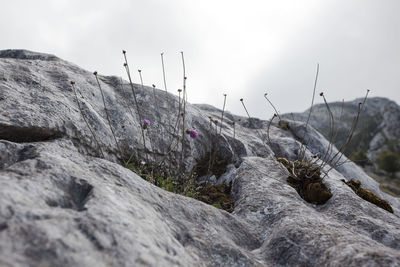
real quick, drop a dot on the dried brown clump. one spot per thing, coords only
(368, 195)
(306, 179)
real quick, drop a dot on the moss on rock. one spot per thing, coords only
(217, 195)
(367, 195)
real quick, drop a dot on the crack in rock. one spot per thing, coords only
(18, 134)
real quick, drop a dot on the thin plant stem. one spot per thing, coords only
(155, 101)
(176, 128)
(222, 116)
(251, 122)
(210, 159)
(333, 164)
(276, 111)
(107, 114)
(302, 153)
(126, 65)
(331, 132)
(165, 86)
(148, 132)
(340, 119)
(268, 130)
(84, 118)
(184, 97)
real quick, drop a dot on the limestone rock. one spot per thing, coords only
(63, 204)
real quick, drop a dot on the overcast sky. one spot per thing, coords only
(241, 48)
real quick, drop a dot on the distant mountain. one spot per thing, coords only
(378, 126)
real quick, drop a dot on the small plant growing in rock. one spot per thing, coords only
(307, 173)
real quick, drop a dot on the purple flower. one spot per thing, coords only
(145, 123)
(193, 133)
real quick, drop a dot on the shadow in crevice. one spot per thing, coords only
(77, 194)
(31, 134)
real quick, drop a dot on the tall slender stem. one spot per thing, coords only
(184, 98)
(302, 147)
(222, 116)
(165, 86)
(276, 111)
(84, 118)
(251, 122)
(107, 115)
(126, 65)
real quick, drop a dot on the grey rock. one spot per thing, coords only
(63, 204)
(378, 127)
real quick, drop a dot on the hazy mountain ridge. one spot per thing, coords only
(378, 127)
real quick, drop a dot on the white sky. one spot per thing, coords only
(242, 48)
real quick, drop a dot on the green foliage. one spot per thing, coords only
(284, 125)
(217, 195)
(360, 158)
(388, 161)
(217, 205)
(185, 184)
(393, 146)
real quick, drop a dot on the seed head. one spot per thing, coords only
(72, 82)
(123, 52)
(179, 90)
(241, 99)
(154, 85)
(95, 73)
(321, 94)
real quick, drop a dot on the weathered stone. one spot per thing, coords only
(62, 204)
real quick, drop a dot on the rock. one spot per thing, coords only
(63, 204)
(378, 128)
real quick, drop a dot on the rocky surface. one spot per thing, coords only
(63, 204)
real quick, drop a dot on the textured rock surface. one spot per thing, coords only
(61, 204)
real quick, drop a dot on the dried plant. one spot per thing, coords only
(165, 87)
(126, 65)
(107, 114)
